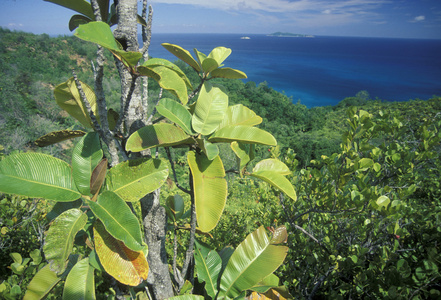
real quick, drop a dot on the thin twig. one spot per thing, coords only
(167, 149)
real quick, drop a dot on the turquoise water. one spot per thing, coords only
(322, 70)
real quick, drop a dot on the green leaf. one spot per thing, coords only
(171, 66)
(127, 266)
(383, 201)
(209, 64)
(37, 175)
(118, 219)
(80, 6)
(187, 297)
(219, 54)
(244, 134)
(273, 165)
(98, 33)
(169, 79)
(57, 136)
(210, 109)
(68, 98)
(157, 135)
(59, 240)
(16, 257)
(86, 155)
(176, 113)
(77, 20)
(80, 282)
(228, 73)
(132, 180)
(182, 54)
(61, 207)
(278, 181)
(240, 115)
(41, 284)
(210, 150)
(210, 189)
(208, 266)
(365, 163)
(253, 260)
(199, 56)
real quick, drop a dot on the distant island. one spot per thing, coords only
(288, 34)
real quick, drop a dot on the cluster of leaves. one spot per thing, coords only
(367, 217)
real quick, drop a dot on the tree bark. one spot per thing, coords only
(153, 214)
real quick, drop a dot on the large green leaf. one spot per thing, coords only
(182, 54)
(101, 34)
(118, 219)
(244, 134)
(177, 113)
(77, 20)
(127, 266)
(59, 240)
(240, 115)
(278, 181)
(175, 207)
(68, 98)
(170, 65)
(80, 282)
(86, 155)
(210, 109)
(228, 73)
(80, 6)
(41, 284)
(37, 175)
(219, 54)
(57, 136)
(253, 260)
(273, 165)
(132, 180)
(210, 189)
(209, 64)
(157, 135)
(208, 266)
(169, 79)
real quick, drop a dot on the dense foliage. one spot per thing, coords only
(367, 220)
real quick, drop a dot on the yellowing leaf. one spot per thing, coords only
(127, 266)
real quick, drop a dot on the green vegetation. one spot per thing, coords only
(353, 189)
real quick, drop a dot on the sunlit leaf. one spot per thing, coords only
(118, 219)
(176, 113)
(244, 153)
(280, 235)
(133, 179)
(210, 189)
(253, 260)
(169, 79)
(182, 54)
(240, 115)
(219, 54)
(209, 64)
(80, 282)
(41, 284)
(170, 65)
(228, 73)
(37, 175)
(210, 109)
(157, 135)
(86, 155)
(273, 165)
(210, 150)
(59, 240)
(244, 134)
(278, 181)
(68, 98)
(57, 136)
(127, 266)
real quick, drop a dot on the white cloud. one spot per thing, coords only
(418, 19)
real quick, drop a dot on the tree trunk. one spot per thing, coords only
(153, 214)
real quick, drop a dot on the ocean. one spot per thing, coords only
(324, 70)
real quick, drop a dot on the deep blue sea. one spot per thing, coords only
(324, 70)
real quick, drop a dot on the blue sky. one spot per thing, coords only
(368, 18)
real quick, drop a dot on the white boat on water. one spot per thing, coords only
(245, 38)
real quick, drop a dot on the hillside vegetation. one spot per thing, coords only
(367, 220)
